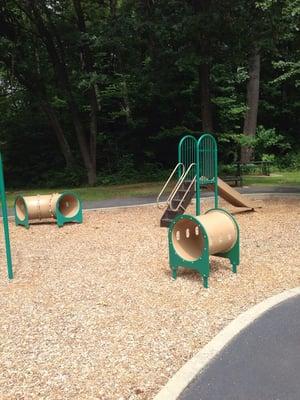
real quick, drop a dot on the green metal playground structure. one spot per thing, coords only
(203, 155)
(192, 239)
(197, 167)
(5, 223)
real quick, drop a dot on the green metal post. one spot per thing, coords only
(216, 175)
(180, 158)
(198, 194)
(5, 223)
(207, 167)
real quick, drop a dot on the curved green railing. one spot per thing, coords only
(204, 154)
(207, 167)
(187, 153)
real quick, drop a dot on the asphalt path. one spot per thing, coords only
(260, 363)
(135, 201)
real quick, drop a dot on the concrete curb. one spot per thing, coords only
(188, 372)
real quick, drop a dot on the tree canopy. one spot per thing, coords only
(99, 91)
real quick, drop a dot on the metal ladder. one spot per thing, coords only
(181, 194)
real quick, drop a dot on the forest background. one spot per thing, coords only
(100, 92)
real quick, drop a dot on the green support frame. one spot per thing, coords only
(204, 154)
(207, 167)
(201, 264)
(5, 223)
(187, 153)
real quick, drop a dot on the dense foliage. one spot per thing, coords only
(100, 91)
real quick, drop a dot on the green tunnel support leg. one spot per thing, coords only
(174, 272)
(205, 281)
(5, 223)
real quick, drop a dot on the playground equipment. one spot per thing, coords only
(5, 223)
(197, 169)
(193, 239)
(233, 196)
(64, 207)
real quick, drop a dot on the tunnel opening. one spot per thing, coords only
(187, 239)
(20, 208)
(68, 205)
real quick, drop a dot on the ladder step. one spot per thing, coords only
(165, 223)
(175, 201)
(185, 189)
(171, 213)
(183, 192)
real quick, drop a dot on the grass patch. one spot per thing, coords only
(276, 178)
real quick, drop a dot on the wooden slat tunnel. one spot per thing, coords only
(64, 207)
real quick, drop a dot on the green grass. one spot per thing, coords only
(151, 188)
(276, 178)
(96, 193)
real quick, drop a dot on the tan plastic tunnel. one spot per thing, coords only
(188, 237)
(44, 206)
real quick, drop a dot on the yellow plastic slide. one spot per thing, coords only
(234, 197)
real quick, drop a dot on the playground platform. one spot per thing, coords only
(261, 363)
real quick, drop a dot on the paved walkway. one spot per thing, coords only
(261, 363)
(131, 201)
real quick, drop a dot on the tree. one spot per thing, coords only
(51, 27)
(250, 121)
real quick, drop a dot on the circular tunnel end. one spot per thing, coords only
(68, 205)
(187, 239)
(20, 208)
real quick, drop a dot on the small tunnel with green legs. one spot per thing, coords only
(193, 239)
(64, 207)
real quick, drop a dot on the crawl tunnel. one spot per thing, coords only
(64, 207)
(193, 239)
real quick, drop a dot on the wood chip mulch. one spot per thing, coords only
(94, 314)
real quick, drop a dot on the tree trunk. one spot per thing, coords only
(93, 125)
(88, 66)
(83, 145)
(250, 121)
(206, 107)
(204, 49)
(125, 104)
(56, 126)
(55, 51)
(113, 8)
